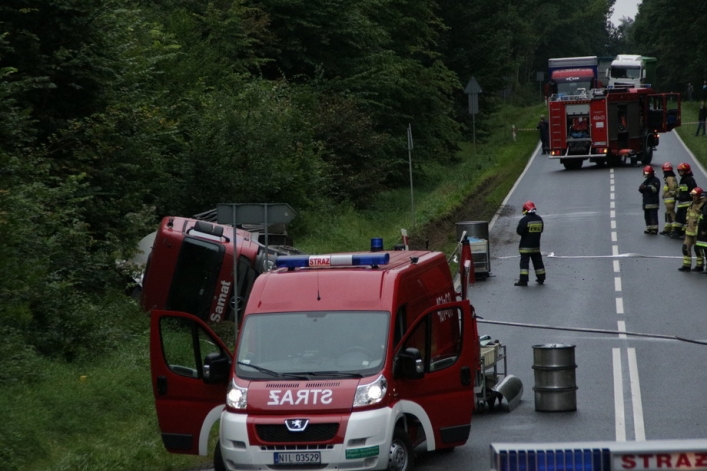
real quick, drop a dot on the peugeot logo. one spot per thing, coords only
(296, 425)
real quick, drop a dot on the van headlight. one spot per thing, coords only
(372, 393)
(237, 397)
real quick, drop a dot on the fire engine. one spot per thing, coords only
(342, 361)
(609, 125)
(190, 268)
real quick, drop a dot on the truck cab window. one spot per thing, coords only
(195, 277)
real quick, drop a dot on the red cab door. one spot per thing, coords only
(446, 338)
(191, 367)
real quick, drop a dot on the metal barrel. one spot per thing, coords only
(555, 384)
(481, 250)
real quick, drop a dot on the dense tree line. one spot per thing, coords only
(115, 113)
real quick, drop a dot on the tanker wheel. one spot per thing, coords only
(647, 156)
(401, 456)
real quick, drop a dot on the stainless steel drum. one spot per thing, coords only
(555, 383)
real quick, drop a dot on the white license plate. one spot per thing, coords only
(313, 457)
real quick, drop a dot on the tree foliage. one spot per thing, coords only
(114, 114)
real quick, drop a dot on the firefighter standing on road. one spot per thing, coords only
(670, 189)
(544, 128)
(529, 229)
(692, 220)
(683, 199)
(650, 189)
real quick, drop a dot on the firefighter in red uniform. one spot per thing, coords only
(650, 189)
(692, 220)
(529, 229)
(670, 189)
(683, 199)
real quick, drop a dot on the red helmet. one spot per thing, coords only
(528, 206)
(697, 191)
(648, 170)
(667, 167)
(684, 166)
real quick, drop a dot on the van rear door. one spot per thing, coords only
(191, 367)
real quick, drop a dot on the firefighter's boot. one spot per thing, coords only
(684, 268)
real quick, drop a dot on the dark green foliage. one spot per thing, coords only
(673, 33)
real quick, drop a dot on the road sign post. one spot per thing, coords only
(473, 89)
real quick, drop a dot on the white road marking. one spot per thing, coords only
(614, 237)
(619, 305)
(617, 284)
(613, 224)
(638, 425)
(621, 327)
(617, 266)
(619, 396)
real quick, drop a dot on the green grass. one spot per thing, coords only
(438, 190)
(98, 413)
(698, 145)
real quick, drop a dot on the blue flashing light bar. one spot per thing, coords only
(589, 459)
(336, 260)
(651, 455)
(376, 244)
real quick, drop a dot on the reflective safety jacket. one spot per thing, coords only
(702, 227)
(694, 212)
(670, 189)
(687, 184)
(529, 229)
(650, 189)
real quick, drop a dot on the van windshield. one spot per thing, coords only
(317, 344)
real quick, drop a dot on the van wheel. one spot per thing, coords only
(401, 456)
(218, 459)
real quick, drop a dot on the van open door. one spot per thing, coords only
(436, 364)
(191, 368)
(665, 112)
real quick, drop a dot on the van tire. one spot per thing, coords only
(401, 456)
(218, 459)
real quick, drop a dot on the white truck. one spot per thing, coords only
(631, 71)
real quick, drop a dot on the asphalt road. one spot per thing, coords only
(602, 273)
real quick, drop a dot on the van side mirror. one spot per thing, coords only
(408, 364)
(217, 368)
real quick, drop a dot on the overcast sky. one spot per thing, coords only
(624, 8)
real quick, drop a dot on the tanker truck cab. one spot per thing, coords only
(342, 361)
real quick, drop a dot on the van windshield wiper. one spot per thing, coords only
(273, 373)
(334, 374)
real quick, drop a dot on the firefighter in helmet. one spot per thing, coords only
(692, 220)
(529, 229)
(650, 189)
(670, 189)
(683, 199)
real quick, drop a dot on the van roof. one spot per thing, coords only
(340, 288)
